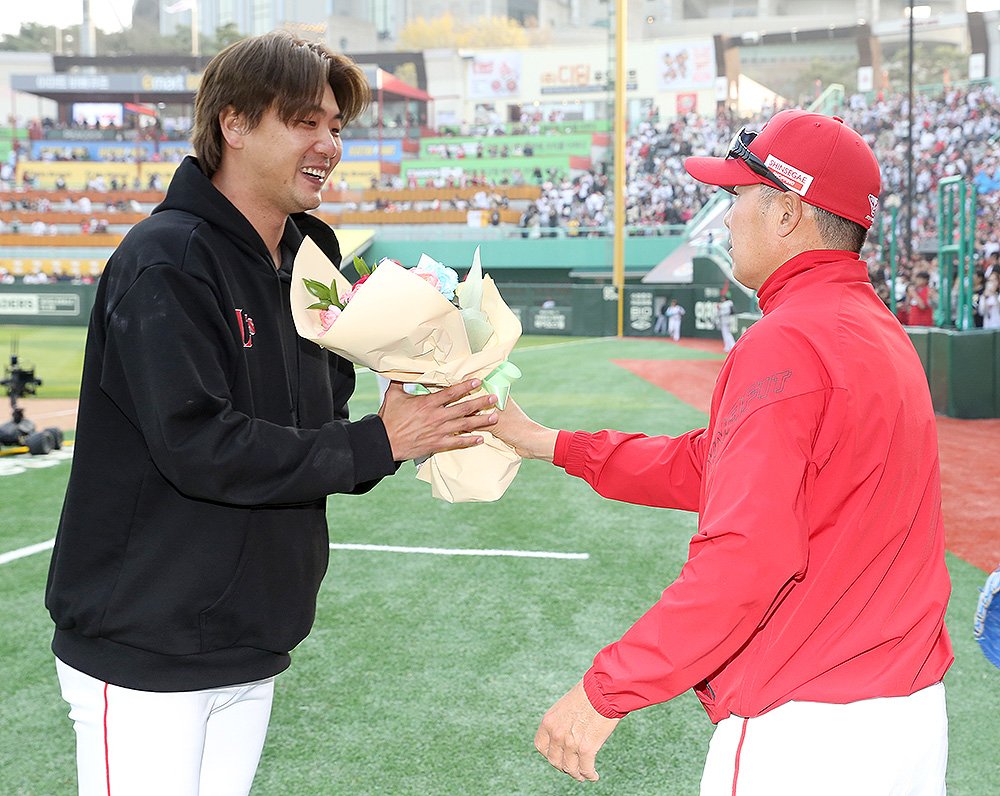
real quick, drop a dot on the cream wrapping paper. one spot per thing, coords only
(401, 327)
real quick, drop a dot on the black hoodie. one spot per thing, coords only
(193, 536)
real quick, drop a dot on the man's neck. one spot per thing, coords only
(268, 222)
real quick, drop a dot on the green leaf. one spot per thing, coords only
(319, 305)
(318, 289)
(361, 266)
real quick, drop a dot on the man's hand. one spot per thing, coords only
(530, 440)
(420, 425)
(571, 734)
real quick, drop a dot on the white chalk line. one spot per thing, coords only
(460, 551)
(24, 552)
(545, 346)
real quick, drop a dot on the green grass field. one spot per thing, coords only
(428, 674)
(55, 352)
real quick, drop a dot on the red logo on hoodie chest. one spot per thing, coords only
(247, 329)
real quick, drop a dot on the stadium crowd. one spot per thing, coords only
(958, 132)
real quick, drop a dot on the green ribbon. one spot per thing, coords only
(496, 383)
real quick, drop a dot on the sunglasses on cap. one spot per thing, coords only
(739, 148)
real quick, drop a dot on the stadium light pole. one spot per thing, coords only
(618, 261)
(195, 33)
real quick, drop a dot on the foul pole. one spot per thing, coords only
(621, 132)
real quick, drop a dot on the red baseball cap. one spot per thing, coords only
(818, 157)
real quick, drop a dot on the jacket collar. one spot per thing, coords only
(818, 265)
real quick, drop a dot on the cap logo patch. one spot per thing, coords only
(797, 180)
(873, 201)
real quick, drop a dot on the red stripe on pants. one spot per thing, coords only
(739, 748)
(107, 761)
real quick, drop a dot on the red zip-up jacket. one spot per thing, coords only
(817, 572)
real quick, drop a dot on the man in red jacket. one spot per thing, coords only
(809, 616)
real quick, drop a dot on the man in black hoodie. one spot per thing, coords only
(193, 539)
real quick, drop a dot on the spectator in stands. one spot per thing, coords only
(36, 276)
(922, 300)
(989, 302)
(978, 286)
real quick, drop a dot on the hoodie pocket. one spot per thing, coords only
(270, 603)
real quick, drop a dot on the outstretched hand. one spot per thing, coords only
(572, 733)
(530, 440)
(421, 425)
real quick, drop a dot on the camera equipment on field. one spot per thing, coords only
(20, 380)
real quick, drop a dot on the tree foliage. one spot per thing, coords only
(31, 38)
(932, 63)
(444, 31)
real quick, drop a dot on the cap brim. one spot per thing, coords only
(724, 172)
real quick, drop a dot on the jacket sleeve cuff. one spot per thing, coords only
(371, 449)
(571, 451)
(597, 699)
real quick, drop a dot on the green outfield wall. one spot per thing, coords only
(563, 286)
(963, 370)
(60, 304)
(546, 259)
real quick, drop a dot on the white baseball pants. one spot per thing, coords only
(728, 341)
(891, 746)
(144, 743)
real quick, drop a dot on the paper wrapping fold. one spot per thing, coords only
(401, 327)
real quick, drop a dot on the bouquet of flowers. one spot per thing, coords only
(421, 327)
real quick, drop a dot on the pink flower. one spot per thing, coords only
(327, 317)
(431, 279)
(347, 295)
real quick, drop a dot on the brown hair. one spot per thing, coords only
(275, 70)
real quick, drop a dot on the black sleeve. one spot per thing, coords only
(343, 376)
(168, 361)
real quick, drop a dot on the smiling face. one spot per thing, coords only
(277, 169)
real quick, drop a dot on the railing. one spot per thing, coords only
(86, 241)
(100, 197)
(941, 88)
(516, 192)
(26, 217)
(368, 218)
(830, 102)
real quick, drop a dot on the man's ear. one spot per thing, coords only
(233, 126)
(790, 212)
